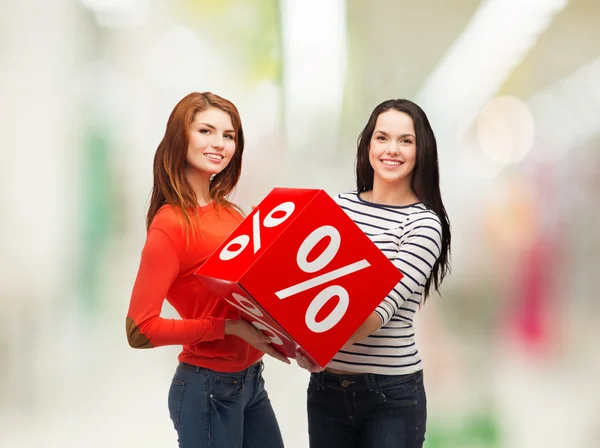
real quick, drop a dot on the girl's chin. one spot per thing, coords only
(207, 171)
(392, 179)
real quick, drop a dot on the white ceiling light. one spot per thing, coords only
(118, 13)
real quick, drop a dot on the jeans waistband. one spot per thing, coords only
(361, 381)
(254, 371)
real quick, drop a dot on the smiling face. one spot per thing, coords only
(211, 141)
(393, 148)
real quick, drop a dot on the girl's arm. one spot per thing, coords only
(415, 258)
(159, 267)
(158, 270)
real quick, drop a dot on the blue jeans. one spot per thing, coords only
(222, 410)
(366, 410)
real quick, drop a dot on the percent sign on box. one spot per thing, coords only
(305, 274)
(239, 243)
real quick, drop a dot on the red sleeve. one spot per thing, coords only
(158, 270)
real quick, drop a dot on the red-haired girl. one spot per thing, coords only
(217, 396)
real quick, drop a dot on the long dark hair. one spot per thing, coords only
(170, 184)
(425, 179)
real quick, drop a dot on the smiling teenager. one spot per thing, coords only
(217, 395)
(372, 393)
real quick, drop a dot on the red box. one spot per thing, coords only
(302, 272)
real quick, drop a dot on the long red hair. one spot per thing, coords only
(170, 184)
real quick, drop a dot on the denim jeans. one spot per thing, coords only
(366, 410)
(222, 410)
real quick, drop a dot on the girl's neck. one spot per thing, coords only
(388, 194)
(200, 183)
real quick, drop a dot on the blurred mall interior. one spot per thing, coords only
(512, 89)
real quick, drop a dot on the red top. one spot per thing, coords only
(167, 271)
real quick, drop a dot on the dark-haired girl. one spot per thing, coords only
(372, 393)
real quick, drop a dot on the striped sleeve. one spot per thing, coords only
(419, 248)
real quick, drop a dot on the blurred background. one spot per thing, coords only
(512, 89)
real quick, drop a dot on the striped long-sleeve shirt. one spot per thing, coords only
(410, 236)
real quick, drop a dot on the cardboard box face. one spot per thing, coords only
(301, 261)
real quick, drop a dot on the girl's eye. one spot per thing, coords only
(229, 136)
(380, 137)
(204, 131)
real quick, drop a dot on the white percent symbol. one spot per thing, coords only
(227, 253)
(329, 292)
(242, 303)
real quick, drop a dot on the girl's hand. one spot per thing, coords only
(252, 336)
(306, 364)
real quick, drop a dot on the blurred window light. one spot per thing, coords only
(106, 93)
(314, 52)
(178, 58)
(118, 13)
(505, 130)
(493, 43)
(567, 114)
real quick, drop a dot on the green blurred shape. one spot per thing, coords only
(251, 28)
(477, 430)
(96, 216)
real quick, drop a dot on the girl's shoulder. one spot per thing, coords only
(166, 216)
(170, 220)
(421, 211)
(424, 218)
